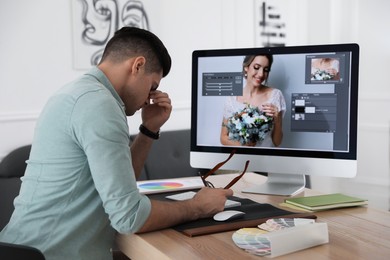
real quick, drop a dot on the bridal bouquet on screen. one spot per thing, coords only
(321, 75)
(249, 125)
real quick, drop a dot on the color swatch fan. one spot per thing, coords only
(253, 241)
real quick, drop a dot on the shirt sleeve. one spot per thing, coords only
(99, 126)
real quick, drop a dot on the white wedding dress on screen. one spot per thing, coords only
(232, 106)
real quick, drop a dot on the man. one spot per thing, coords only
(80, 183)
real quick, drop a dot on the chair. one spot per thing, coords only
(169, 157)
(19, 252)
(12, 167)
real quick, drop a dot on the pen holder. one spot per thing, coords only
(297, 238)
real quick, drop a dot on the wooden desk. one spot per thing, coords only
(354, 233)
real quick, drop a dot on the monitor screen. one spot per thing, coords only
(291, 111)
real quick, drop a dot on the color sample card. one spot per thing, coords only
(159, 186)
(282, 223)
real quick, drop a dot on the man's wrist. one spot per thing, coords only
(145, 131)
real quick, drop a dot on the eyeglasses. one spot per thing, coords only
(219, 165)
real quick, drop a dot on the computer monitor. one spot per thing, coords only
(319, 87)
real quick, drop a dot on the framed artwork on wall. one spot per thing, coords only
(280, 23)
(95, 22)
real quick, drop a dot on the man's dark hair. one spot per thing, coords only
(131, 41)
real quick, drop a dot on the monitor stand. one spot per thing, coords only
(279, 184)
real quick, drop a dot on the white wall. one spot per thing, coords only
(36, 59)
(35, 47)
(364, 22)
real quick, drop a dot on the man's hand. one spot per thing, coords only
(206, 203)
(209, 201)
(155, 114)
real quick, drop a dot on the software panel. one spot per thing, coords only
(315, 89)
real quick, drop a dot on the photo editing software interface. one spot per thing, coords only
(316, 88)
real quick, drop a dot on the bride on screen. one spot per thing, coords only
(255, 118)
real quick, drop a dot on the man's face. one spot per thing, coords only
(136, 92)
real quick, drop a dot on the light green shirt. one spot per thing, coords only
(79, 186)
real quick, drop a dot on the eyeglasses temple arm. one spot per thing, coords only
(216, 167)
(203, 179)
(238, 177)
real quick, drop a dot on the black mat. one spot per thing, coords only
(255, 214)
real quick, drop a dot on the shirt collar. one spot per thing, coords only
(102, 78)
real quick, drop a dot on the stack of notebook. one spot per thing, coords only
(328, 201)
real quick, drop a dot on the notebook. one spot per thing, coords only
(328, 201)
